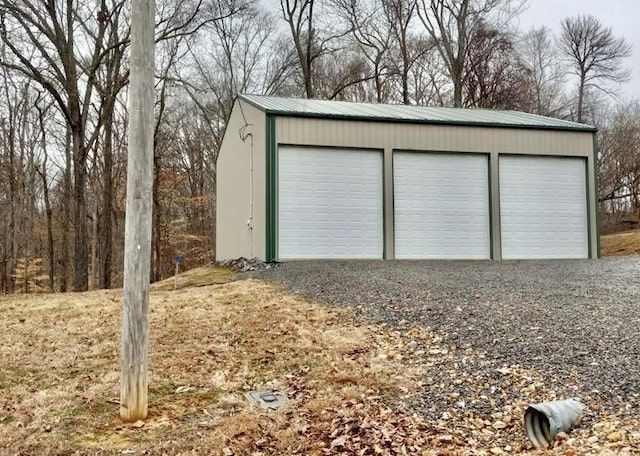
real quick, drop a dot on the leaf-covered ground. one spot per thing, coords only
(621, 244)
(212, 340)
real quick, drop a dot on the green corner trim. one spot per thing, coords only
(490, 197)
(596, 183)
(271, 203)
(384, 202)
(589, 225)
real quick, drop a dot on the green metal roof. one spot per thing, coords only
(298, 107)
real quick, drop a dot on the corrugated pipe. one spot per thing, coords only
(545, 420)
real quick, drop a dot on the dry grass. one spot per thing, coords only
(621, 244)
(198, 277)
(211, 342)
(59, 379)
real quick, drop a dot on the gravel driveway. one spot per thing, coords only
(577, 323)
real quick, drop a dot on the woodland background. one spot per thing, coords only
(63, 117)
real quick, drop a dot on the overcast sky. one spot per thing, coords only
(622, 16)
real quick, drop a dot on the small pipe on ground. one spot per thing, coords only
(545, 420)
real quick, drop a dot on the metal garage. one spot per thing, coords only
(305, 179)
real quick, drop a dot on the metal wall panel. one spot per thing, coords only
(235, 179)
(343, 133)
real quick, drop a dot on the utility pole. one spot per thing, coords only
(137, 247)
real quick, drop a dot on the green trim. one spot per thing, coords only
(490, 196)
(589, 230)
(596, 184)
(267, 219)
(271, 201)
(384, 202)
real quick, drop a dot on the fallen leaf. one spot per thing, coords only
(183, 389)
(338, 442)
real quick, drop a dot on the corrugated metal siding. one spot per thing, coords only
(404, 113)
(233, 237)
(341, 133)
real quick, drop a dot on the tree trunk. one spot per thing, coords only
(66, 217)
(47, 201)
(157, 222)
(457, 94)
(81, 254)
(94, 247)
(12, 253)
(580, 99)
(106, 224)
(47, 205)
(405, 81)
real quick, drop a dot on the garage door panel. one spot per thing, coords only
(543, 210)
(330, 203)
(441, 206)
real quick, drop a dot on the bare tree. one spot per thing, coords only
(452, 24)
(372, 33)
(299, 16)
(619, 158)
(428, 81)
(41, 35)
(594, 54)
(8, 131)
(546, 77)
(311, 42)
(401, 14)
(495, 77)
(43, 172)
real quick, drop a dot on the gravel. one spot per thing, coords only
(576, 323)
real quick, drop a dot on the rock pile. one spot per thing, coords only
(245, 264)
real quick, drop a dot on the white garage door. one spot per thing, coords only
(441, 205)
(330, 203)
(543, 207)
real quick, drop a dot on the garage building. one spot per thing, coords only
(311, 179)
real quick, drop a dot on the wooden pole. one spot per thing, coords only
(137, 250)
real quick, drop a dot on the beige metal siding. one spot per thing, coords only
(442, 138)
(234, 238)
(343, 133)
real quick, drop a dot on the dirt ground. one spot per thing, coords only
(211, 341)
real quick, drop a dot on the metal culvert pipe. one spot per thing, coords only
(545, 420)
